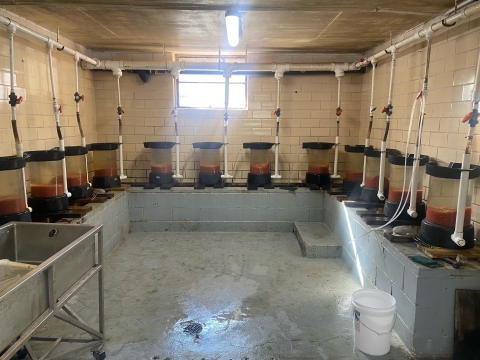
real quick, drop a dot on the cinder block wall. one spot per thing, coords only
(35, 118)
(308, 104)
(425, 297)
(453, 63)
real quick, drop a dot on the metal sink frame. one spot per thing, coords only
(68, 256)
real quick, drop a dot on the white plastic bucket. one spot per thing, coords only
(373, 320)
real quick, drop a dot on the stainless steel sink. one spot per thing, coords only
(67, 257)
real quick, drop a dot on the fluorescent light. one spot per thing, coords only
(232, 20)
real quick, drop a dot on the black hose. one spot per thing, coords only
(80, 125)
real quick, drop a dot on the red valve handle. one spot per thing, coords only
(123, 111)
(82, 97)
(339, 112)
(20, 100)
(467, 117)
(384, 109)
(60, 109)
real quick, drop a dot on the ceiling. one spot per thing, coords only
(327, 26)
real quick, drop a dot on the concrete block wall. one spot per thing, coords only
(308, 104)
(425, 297)
(115, 217)
(35, 118)
(453, 62)
(231, 209)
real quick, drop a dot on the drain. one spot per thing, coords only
(193, 329)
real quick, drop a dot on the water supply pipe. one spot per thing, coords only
(472, 118)
(56, 112)
(370, 124)
(278, 76)
(77, 97)
(450, 20)
(6, 21)
(388, 111)
(205, 66)
(14, 101)
(338, 111)
(178, 175)
(120, 112)
(226, 74)
(412, 210)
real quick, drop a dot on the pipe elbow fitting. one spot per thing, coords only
(458, 239)
(381, 196)
(412, 213)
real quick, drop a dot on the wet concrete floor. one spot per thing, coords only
(253, 294)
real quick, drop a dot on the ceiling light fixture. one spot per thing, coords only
(232, 21)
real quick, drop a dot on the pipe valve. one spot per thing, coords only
(78, 97)
(276, 112)
(60, 109)
(388, 109)
(13, 99)
(120, 111)
(338, 111)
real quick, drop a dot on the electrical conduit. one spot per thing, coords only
(472, 118)
(388, 111)
(370, 124)
(56, 112)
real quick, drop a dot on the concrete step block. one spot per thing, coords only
(316, 240)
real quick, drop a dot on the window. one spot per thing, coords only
(208, 91)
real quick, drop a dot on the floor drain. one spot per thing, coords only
(193, 329)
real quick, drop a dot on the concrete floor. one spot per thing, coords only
(253, 293)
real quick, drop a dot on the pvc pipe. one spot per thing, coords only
(338, 112)
(457, 236)
(6, 21)
(226, 75)
(178, 175)
(278, 76)
(388, 111)
(459, 7)
(16, 266)
(370, 124)
(120, 132)
(173, 66)
(11, 29)
(56, 112)
(412, 210)
(448, 21)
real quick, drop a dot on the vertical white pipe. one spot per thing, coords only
(120, 132)
(77, 99)
(337, 137)
(225, 175)
(457, 236)
(412, 210)
(175, 124)
(13, 103)
(369, 131)
(56, 111)
(388, 111)
(278, 76)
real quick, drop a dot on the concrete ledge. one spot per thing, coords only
(425, 297)
(316, 240)
(212, 226)
(114, 216)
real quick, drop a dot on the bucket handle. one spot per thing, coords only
(381, 332)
